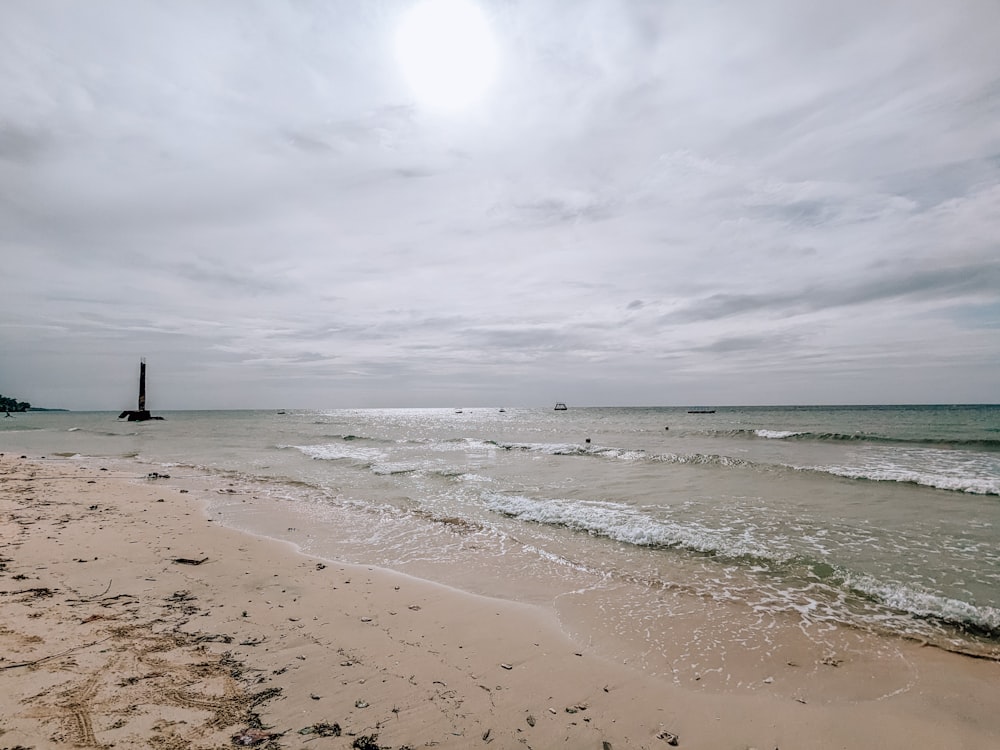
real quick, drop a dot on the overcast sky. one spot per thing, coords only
(651, 203)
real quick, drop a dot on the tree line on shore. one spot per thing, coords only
(12, 404)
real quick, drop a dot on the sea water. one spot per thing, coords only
(744, 525)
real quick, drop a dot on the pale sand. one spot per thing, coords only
(106, 640)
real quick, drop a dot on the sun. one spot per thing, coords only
(447, 53)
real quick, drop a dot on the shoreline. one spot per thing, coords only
(130, 617)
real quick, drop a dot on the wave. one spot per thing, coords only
(350, 437)
(939, 481)
(953, 478)
(776, 434)
(622, 523)
(552, 449)
(374, 459)
(339, 451)
(936, 469)
(970, 619)
(984, 444)
(101, 433)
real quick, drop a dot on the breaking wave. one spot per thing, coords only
(897, 606)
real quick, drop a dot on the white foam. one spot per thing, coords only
(925, 603)
(775, 434)
(626, 524)
(336, 451)
(941, 481)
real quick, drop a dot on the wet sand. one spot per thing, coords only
(129, 618)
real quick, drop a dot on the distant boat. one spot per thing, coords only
(502, 411)
(282, 411)
(701, 411)
(560, 406)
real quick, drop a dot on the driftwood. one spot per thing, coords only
(189, 561)
(53, 656)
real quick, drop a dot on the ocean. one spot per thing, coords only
(653, 533)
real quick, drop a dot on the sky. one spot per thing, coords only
(601, 202)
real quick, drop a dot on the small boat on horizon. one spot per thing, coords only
(560, 406)
(701, 411)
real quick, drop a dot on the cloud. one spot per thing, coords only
(794, 190)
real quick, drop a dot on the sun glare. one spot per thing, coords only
(447, 53)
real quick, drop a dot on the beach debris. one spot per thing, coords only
(157, 475)
(314, 696)
(250, 737)
(507, 666)
(366, 619)
(189, 560)
(414, 607)
(214, 638)
(486, 735)
(96, 617)
(552, 711)
(530, 720)
(33, 662)
(605, 745)
(360, 704)
(831, 661)
(37, 593)
(366, 742)
(669, 737)
(768, 680)
(322, 729)
(320, 566)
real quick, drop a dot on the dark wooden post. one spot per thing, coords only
(142, 384)
(140, 414)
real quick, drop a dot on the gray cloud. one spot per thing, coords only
(802, 191)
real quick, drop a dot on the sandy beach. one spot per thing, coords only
(129, 618)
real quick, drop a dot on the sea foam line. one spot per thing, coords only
(625, 524)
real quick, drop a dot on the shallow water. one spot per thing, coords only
(797, 523)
